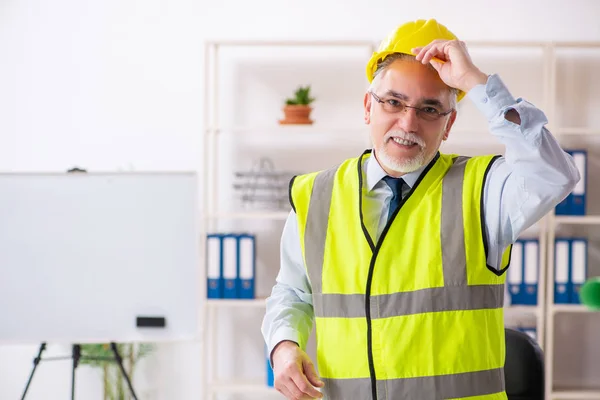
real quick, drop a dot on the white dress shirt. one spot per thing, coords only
(534, 175)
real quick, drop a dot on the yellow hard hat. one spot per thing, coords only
(413, 34)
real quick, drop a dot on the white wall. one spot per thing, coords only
(117, 84)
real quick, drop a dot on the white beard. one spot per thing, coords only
(401, 166)
(404, 166)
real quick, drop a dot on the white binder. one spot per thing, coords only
(247, 268)
(515, 273)
(579, 267)
(230, 261)
(531, 272)
(561, 272)
(214, 284)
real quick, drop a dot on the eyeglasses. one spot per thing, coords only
(427, 113)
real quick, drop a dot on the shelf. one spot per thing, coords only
(577, 219)
(521, 309)
(252, 303)
(259, 134)
(571, 308)
(242, 387)
(272, 215)
(576, 394)
(578, 131)
(276, 129)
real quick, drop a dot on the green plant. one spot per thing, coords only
(101, 356)
(301, 97)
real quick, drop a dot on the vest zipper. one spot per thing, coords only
(368, 300)
(375, 249)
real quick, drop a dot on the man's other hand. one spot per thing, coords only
(294, 372)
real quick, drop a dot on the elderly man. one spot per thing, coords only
(399, 255)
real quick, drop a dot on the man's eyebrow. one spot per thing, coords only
(403, 97)
(398, 95)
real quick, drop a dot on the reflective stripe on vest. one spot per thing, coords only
(429, 387)
(455, 295)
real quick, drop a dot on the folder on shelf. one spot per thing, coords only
(564, 207)
(578, 195)
(515, 273)
(230, 268)
(578, 267)
(270, 374)
(531, 251)
(562, 262)
(246, 266)
(214, 284)
(575, 202)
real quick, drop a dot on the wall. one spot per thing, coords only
(113, 84)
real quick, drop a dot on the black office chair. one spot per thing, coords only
(524, 367)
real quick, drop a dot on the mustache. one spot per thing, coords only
(405, 136)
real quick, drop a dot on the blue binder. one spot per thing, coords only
(214, 284)
(575, 202)
(246, 252)
(270, 374)
(531, 252)
(578, 273)
(562, 266)
(564, 207)
(515, 273)
(229, 266)
(578, 195)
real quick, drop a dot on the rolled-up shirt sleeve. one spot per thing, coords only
(533, 175)
(289, 311)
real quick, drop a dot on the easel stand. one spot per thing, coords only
(76, 357)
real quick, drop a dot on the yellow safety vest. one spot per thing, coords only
(417, 314)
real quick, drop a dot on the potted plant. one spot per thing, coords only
(98, 355)
(297, 109)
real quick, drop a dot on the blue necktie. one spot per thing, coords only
(396, 185)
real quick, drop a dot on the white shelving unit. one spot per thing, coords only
(242, 105)
(575, 126)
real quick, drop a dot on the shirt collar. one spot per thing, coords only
(375, 173)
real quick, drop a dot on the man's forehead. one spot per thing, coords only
(403, 72)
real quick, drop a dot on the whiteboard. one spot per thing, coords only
(82, 255)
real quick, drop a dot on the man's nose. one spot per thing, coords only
(408, 119)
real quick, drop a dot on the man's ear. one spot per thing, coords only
(449, 124)
(367, 106)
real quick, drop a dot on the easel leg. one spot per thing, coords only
(36, 361)
(76, 357)
(119, 360)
